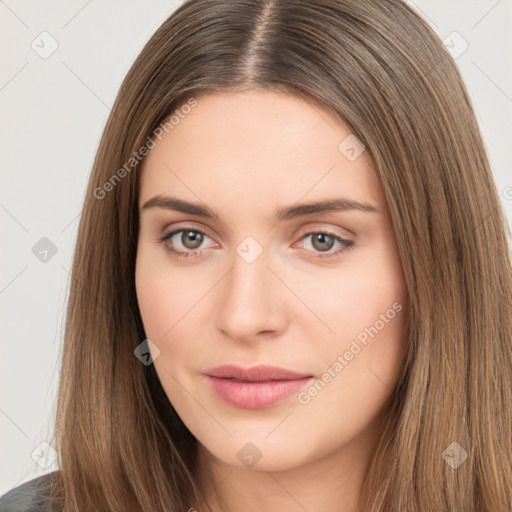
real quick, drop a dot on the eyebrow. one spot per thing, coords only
(287, 213)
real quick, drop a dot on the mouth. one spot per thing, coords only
(258, 387)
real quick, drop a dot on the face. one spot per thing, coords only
(317, 292)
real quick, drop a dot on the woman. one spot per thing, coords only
(291, 288)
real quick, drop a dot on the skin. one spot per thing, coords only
(244, 155)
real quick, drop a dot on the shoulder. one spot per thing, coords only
(31, 496)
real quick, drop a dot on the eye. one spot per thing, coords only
(324, 241)
(190, 239)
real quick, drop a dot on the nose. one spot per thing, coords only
(252, 302)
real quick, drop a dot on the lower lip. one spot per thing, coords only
(255, 395)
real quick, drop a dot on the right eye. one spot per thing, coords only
(193, 236)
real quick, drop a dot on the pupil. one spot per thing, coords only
(195, 237)
(321, 237)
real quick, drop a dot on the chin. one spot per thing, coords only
(259, 455)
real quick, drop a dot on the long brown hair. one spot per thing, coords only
(382, 70)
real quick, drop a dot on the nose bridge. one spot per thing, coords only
(249, 301)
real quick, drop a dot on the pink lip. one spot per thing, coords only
(257, 387)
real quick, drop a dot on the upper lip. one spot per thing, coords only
(258, 373)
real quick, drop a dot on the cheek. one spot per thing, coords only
(165, 296)
(365, 305)
(366, 295)
(171, 307)
(156, 304)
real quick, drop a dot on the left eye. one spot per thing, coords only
(192, 239)
(321, 239)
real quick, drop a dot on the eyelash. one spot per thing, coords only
(347, 245)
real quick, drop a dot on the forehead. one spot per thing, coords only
(254, 118)
(257, 144)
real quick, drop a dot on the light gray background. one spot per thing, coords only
(53, 112)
